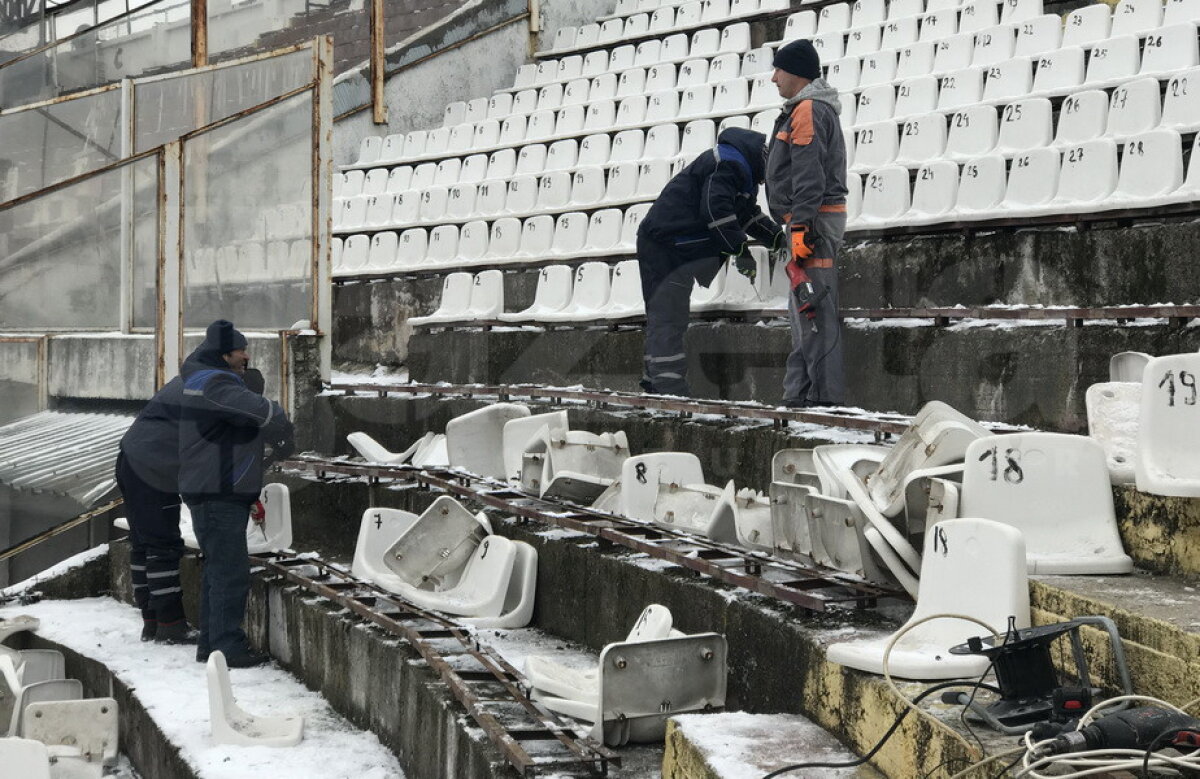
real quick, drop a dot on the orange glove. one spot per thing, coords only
(803, 241)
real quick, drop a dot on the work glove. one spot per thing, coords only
(258, 512)
(808, 292)
(804, 241)
(745, 263)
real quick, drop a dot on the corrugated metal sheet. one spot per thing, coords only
(65, 454)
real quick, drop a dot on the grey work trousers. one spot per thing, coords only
(668, 311)
(814, 367)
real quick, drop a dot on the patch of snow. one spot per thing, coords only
(737, 745)
(173, 688)
(70, 564)
(383, 374)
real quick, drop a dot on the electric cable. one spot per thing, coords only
(910, 704)
(988, 760)
(879, 744)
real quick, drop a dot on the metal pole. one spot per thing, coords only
(378, 33)
(199, 33)
(322, 194)
(169, 329)
(127, 211)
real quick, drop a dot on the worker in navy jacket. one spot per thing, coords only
(707, 213)
(223, 428)
(147, 474)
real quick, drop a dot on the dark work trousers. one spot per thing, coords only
(155, 545)
(221, 530)
(814, 367)
(667, 282)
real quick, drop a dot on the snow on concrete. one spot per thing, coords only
(70, 564)
(737, 745)
(382, 374)
(173, 688)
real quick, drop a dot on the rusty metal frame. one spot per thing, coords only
(199, 33)
(57, 530)
(168, 331)
(880, 424)
(788, 581)
(68, 38)
(321, 190)
(1074, 316)
(388, 611)
(377, 63)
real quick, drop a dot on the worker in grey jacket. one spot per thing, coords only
(806, 191)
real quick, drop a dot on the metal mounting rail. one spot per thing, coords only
(880, 424)
(477, 675)
(807, 586)
(1176, 316)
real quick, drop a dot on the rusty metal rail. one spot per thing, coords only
(1176, 316)
(805, 585)
(476, 674)
(880, 424)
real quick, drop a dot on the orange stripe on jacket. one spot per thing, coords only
(802, 123)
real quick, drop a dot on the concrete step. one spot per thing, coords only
(1034, 374)
(588, 593)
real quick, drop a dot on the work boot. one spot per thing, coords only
(247, 659)
(179, 632)
(149, 629)
(796, 403)
(202, 655)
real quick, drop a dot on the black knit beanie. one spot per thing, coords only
(223, 338)
(800, 59)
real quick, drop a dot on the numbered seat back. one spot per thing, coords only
(1082, 117)
(1168, 424)
(1054, 488)
(974, 567)
(643, 477)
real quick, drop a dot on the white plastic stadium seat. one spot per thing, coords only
(456, 300)
(973, 133)
(474, 440)
(25, 757)
(625, 292)
(1054, 488)
(230, 724)
(1133, 108)
(886, 196)
(1088, 24)
(1112, 413)
(1167, 426)
(643, 477)
(80, 735)
(922, 138)
(972, 567)
(589, 295)
(1025, 125)
(1133, 17)
(1169, 50)
(624, 699)
(518, 432)
(1151, 169)
(1081, 117)
(981, 188)
(1059, 72)
(938, 435)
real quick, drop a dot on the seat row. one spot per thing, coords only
(1087, 178)
(575, 85)
(726, 98)
(521, 196)
(659, 143)
(606, 232)
(1051, 72)
(594, 291)
(1025, 125)
(1134, 105)
(863, 22)
(664, 20)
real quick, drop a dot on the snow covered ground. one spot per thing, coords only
(173, 688)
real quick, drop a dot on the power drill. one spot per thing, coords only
(1136, 728)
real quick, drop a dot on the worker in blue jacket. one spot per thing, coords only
(224, 426)
(707, 213)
